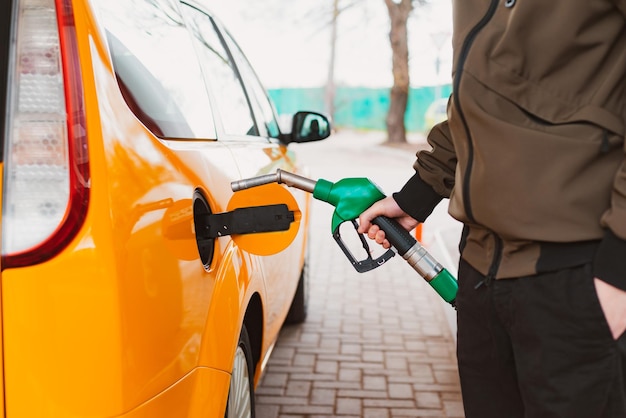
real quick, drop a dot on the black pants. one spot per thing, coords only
(538, 347)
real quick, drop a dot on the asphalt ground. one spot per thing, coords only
(375, 344)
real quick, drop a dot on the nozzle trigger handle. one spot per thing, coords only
(368, 263)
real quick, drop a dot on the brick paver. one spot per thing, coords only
(374, 345)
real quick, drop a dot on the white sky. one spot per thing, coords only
(288, 41)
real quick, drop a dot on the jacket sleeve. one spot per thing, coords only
(434, 175)
(621, 5)
(610, 260)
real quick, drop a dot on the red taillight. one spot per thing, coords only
(46, 171)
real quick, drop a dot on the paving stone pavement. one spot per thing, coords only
(376, 344)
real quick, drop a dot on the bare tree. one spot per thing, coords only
(329, 90)
(399, 12)
(328, 15)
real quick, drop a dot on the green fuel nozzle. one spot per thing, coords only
(351, 197)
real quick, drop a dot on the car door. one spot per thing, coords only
(162, 83)
(246, 123)
(283, 269)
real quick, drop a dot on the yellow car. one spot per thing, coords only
(132, 282)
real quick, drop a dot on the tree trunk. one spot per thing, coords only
(398, 13)
(329, 91)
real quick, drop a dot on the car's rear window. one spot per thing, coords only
(157, 69)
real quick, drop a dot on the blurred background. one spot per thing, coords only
(336, 56)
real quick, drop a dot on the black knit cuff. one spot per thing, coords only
(609, 264)
(417, 198)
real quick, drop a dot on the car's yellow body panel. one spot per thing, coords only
(126, 321)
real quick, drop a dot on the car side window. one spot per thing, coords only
(263, 108)
(157, 68)
(221, 74)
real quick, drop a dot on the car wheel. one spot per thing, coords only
(241, 392)
(298, 309)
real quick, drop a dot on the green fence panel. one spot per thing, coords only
(359, 107)
(290, 100)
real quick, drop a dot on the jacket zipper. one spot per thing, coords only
(495, 264)
(467, 44)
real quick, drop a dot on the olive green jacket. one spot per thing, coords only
(532, 154)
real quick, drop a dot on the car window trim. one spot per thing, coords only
(218, 29)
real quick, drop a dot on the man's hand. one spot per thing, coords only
(389, 208)
(613, 302)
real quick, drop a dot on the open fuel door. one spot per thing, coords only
(251, 220)
(262, 220)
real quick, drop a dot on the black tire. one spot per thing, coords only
(299, 304)
(241, 393)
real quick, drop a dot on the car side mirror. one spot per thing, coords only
(309, 126)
